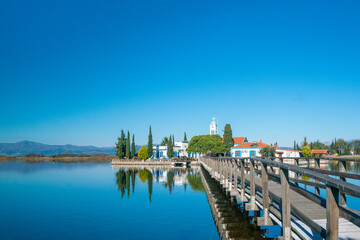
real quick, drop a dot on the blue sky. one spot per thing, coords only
(79, 71)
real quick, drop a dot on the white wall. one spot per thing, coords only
(289, 154)
(245, 152)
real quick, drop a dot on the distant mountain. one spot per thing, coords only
(27, 147)
(287, 148)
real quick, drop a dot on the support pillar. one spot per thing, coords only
(251, 206)
(317, 165)
(265, 220)
(342, 168)
(285, 214)
(332, 213)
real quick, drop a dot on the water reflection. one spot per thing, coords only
(168, 177)
(352, 167)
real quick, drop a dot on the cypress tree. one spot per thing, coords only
(128, 153)
(121, 145)
(150, 144)
(228, 139)
(185, 138)
(133, 147)
(170, 149)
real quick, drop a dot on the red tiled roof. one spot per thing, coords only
(239, 140)
(319, 151)
(252, 145)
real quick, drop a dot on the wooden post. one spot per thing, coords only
(242, 194)
(230, 175)
(286, 214)
(225, 173)
(235, 174)
(251, 206)
(332, 213)
(317, 165)
(265, 220)
(342, 168)
(296, 163)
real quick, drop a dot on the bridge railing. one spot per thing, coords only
(342, 171)
(227, 169)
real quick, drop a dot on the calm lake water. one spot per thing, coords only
(94, 201)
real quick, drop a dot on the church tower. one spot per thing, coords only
(213, 127)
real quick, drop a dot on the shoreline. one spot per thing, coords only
(150, 163)
(99, 159)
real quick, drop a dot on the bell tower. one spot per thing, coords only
(213, 127)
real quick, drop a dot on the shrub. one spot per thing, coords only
(143, 153)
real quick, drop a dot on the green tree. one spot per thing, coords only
(121, 145)
(128, 153)
(268, 151)
(341, 146)
(228, 139)
(133, 147)
(164, 141)
(304, 143)
(143, 153)
(206, 143)
(306, 151)
(185, 138)
(170, 148)
(356, 146)
(150, 144)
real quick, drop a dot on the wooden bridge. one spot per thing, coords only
(301, 213)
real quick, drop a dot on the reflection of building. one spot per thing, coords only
(180, 175)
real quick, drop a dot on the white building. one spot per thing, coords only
(248, 149)
(160, 152)
(213, 127)
(252, 149)
(286, 152)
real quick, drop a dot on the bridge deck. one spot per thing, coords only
(312, 210)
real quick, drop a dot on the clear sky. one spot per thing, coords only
(78, 71)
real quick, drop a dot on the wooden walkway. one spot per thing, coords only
(299, 203)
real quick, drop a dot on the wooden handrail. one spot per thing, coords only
(345, 187)
(322, 158)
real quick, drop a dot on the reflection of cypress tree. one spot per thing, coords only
(128, 182)
(133, 180)
(195, 182)
(121, 181)
(170, 180)
(185, 187)
(150, 184)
